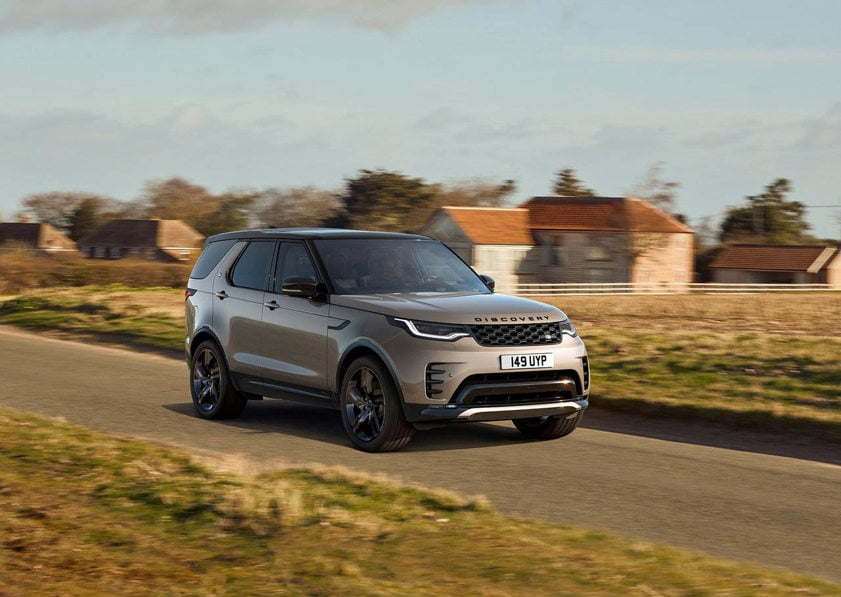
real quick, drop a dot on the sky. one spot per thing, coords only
(724, 97)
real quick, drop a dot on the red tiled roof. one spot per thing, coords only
(603, 214)
(493, 225)
(788, 258)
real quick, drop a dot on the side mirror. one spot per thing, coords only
(489, 282)
(302, 287)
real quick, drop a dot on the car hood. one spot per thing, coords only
(454, 308)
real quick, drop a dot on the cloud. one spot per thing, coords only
(205, 16)
(78, 150)
(701, 56)
(442, 119)
(823, 133)
(781, 134)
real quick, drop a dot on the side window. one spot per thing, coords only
(294, 262)
(252, 267)
(210, 257)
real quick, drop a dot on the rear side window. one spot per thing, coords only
(252, 267)
(210, 258)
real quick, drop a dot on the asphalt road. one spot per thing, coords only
(770, 499)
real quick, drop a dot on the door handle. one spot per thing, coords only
(272, 305)
(222, 295)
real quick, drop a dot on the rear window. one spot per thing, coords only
(210, 257)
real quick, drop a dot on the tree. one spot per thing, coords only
(300, 206)
(86, 218)
(381, 200)
(658, 192)
(567, 184)
(233, 212)
(767, 218)
(61, 209)
(178, 199)
(54, 207)
(476, 194)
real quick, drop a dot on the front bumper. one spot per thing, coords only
(464, 381)
(455, 413)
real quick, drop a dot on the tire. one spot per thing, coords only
(371, 411)
(548, 427)
(214, 396)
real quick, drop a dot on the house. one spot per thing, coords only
(570, 240)
(777, 264)
(156, 240)
(610, 240)
(495, 241)
(38, 236)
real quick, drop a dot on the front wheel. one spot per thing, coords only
(214, 395)
(548, 427)
(371, 410)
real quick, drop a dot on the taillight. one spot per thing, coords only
(189, 292)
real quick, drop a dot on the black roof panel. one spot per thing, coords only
(311, 234)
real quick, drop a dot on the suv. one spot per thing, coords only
(393, 330)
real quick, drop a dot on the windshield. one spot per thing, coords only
(377, 266)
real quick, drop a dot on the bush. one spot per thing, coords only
(21, 272)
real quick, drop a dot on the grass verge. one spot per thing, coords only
(83, 513)
(151, 317)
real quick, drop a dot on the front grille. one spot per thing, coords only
(505, 377)
(526, 334)
(516, 387)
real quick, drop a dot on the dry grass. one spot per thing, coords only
(770, 360)
(798, 314)
(23, 272)
(84, 514)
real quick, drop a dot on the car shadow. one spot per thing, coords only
(714, 434)
(325, 425)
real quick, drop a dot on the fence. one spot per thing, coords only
(547, 289)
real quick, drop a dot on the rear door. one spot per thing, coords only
(295, 329)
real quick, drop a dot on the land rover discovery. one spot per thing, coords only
(393, 330)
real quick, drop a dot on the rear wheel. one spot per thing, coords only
(371, 410)
(548, 427)
(214, 396)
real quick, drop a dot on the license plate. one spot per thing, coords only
(527, 361)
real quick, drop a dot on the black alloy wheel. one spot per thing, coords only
(214, 396)
(371, 410)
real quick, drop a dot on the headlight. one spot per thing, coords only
(567, 328)
(447, 332)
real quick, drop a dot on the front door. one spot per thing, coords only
(294, 329)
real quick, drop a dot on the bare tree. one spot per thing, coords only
(656, 190)
(299, 206)
(179, 199)
(476, 194)
(58, 208)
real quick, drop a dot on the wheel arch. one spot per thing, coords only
(205, 334)
(360, 349)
